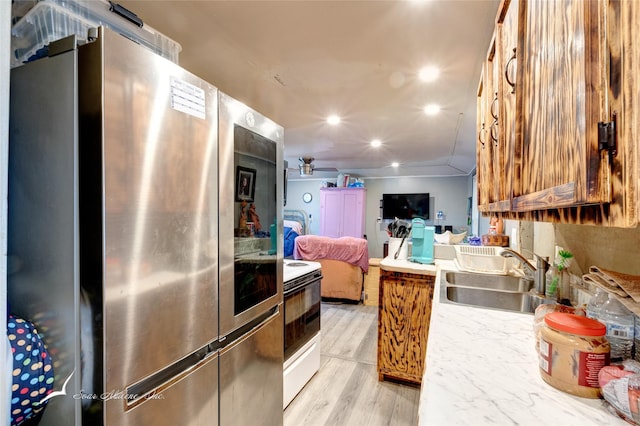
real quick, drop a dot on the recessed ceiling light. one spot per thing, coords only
(376, 143)
(333, 119)
(429, 73)
(432, 109)
(395, 164)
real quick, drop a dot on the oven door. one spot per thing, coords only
(301, 316)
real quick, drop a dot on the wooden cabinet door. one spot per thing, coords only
(353, 213)
(482, 160)
(495, 129)
(507, 61)
(403, 325)
(488, 132)
(331, 211)
(497, 109)
(563, 93)
(342, 212)
(623, 33)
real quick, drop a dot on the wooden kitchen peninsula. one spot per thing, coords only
(404, 311)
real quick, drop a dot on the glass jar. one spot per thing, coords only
(573, 349)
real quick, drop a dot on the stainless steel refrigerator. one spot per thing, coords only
(114, 242)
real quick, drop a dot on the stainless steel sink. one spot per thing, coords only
(493, 282)
(502, 292)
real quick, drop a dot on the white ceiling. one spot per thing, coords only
(299, 61)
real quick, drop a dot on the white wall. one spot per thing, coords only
(449, 194)
(295, 189)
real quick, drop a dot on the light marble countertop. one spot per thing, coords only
(403, 265)
(482, 369)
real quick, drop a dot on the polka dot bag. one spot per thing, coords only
(32, 372)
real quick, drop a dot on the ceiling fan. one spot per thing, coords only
(306, 167)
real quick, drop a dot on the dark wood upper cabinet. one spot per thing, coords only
(566, 149)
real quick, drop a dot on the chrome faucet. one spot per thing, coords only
(536, 272)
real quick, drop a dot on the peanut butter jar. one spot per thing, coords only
(573, 349)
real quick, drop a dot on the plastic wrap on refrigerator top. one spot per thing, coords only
(38, 23)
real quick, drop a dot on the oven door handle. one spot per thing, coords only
(304, 284)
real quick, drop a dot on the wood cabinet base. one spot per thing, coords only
(404, 311)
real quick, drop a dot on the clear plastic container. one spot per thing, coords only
(19, 8)
(51, 20)
(594, 307)
(551, 282)
(485, 259)
(620, 328)
(572, 351)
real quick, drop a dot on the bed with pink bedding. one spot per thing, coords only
(344, 262)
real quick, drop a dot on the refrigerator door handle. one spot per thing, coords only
(248, 327)
(156, 383)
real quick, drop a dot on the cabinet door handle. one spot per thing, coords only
(494, 132)
(511, 82)
(481, 134)
(494, 106)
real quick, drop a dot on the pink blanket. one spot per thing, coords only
(348, 249)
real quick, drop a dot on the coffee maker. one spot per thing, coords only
(422, 242)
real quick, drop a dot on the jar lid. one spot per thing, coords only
(575, 324)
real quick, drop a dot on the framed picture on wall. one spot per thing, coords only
(245, 184)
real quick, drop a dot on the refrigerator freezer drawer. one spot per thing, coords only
(251, 376)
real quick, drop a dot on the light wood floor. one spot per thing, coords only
(346, 390)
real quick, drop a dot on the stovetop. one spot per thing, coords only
(297, 268)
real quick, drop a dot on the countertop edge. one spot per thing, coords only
(403, 265)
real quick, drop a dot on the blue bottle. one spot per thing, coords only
(274, 238)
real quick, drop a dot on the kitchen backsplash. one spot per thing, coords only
(610, 248)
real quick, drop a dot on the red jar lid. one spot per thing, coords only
(575, 324)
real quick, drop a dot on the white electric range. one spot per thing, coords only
(301, 325)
